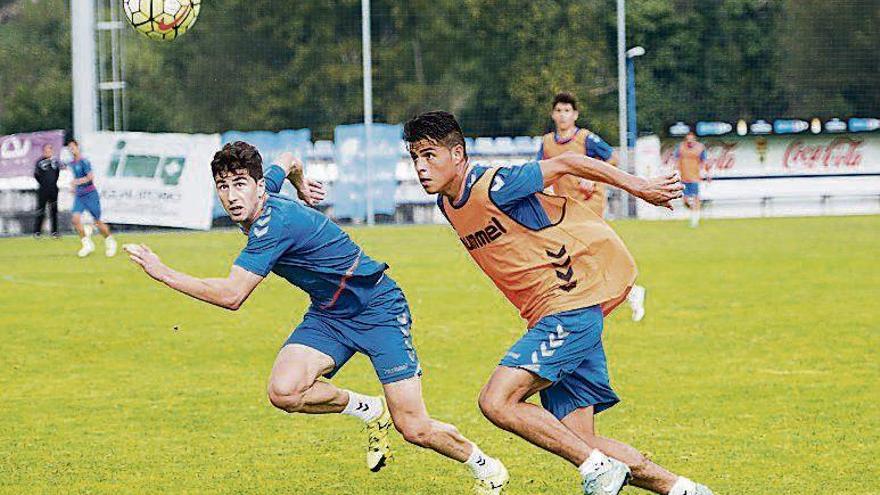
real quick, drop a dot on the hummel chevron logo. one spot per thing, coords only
(362, 407)
(563, 264)
(481, 461)
(555, 341)
(558, 255)
(546, 352)
(497, 184)
(569, 286)
(535, 357)
(561, 333)
(565, 275)
(262, 224)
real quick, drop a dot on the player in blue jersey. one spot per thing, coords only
(87, 199)
(355, 307)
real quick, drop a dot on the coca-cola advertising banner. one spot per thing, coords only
(19, 152)
(786, 155)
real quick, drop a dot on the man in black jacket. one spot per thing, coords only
(46, 172)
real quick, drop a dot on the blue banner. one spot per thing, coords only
(349, 193)
(270, 145)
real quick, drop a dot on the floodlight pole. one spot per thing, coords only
(622, 151)
(83, 76)
(368, 105)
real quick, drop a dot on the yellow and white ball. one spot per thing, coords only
(162, 19)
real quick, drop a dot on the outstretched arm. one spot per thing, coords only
(229, 292)
(658, 191)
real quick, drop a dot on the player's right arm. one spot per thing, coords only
(658, 191)
(229, 293)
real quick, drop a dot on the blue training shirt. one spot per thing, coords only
(80, 169)
(513, 191)
(310, 251)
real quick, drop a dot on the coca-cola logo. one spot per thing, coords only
(721, 155)
(839, 153)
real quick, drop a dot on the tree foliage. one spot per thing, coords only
(265, 64)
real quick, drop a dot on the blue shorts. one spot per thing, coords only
(566, 349)
(691, 188)
(90, 202)
(381, 332)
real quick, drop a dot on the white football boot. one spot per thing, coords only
(87, 247)
(608, 478)
(636, 300)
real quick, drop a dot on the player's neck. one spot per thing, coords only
(563, 134)
(246, 225)
(455, 189)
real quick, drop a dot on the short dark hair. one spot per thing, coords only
(238, 156)
(437, 127)
(565, 97)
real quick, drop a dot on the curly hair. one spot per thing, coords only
(565, 97)
(237, 156)
(437, 127)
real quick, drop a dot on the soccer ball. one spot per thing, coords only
(162, 19)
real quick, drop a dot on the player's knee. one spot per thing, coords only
(415, 431)
(494, 406)
(287, 397)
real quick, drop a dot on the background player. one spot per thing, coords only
(563, 268)
(569, 137)
(690, 156)
(87, 199)
(356, 307)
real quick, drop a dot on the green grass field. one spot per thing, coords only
(757, 369)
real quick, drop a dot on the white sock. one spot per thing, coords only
(683, 486)
(593, 463)
(695, 218)
(480, 464)
(365, 407)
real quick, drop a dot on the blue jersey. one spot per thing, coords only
(81, 168)
(513, 192)
(310, 251)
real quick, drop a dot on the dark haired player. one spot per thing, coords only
(569, 137)
(87, 199)
(564, 269)
(356, 307)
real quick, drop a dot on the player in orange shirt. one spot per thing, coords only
(690, 155)
(564, 268)
(569, 137)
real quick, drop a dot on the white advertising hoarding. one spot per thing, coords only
(153, 179)
(776, 175)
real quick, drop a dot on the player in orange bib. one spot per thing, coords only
(691, 157)
(569, 137)
(563, 267)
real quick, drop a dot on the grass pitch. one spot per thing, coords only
(757, 369)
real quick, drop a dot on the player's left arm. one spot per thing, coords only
(596, 147)
(229, 293)
(658, 191)
(310, 191)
